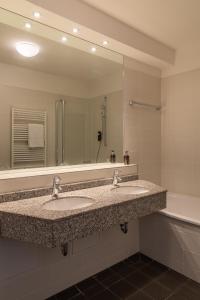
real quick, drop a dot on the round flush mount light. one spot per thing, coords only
(27, 49)
(105, 43)
(75, 30)
(36, 14)
(93, 49)
(27, 25)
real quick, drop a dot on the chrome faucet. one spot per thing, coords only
(116, 178)
(56, 187)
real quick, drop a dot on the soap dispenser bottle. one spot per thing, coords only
(113, 157)
(126, 158)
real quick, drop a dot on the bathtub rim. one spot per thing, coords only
(179, 217)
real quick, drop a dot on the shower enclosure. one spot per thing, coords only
(104, 120)
(102, 134)
(78, 122)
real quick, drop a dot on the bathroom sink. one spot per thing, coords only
(130, 190)
(68, 203)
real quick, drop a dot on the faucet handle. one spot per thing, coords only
(116, 172)
(57, 179)
(60, 188)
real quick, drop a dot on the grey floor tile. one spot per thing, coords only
(86, 284)
(124, 268)
(154, 269)
(67, 294)
(184, 294)
(139, 279)
(107, 282)
(104, 274)
(93, 291)
(136, 278)
(194, 286)
(157, 291)
(172, 279)
(123, 289)
(106, 295)
(139, 296)
(79, 297)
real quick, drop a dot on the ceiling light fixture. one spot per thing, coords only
(27, 25)
(105, 43)
(27, 49)
(36, 14)
(75, 30)
(93, 49)
(64, 39)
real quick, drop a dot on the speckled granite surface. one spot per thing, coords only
(27, 220)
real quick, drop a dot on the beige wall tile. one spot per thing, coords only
(142, 127)
(181, 133)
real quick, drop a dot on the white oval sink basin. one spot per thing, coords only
(68, 203)
(130, 190)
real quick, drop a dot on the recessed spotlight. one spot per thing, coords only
(36, 14)
(75, 30)
(28, 25)
(27, 49)
(93, 49)
(105, 43)
(64, 39)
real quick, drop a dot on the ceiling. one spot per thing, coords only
(173, 22)
(55, 57)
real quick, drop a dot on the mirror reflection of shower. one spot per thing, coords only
(60, 131)
(102, 135)
(104, 120)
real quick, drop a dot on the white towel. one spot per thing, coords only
(35, 135)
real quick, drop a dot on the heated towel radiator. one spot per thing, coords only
(22, 156)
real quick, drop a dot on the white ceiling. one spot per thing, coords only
(173, 22)
(54, 57)
(154, 28)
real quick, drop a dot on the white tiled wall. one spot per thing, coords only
(142, 126)
(180, 133)
(29, 272)
(172, 242)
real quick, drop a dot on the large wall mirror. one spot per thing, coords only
(60, 97)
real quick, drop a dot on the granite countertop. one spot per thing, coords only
(27, 219)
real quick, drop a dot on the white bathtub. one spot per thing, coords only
(172, 236)
(183, 207)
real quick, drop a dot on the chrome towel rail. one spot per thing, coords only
(156, 107)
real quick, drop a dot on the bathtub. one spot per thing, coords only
(183, 207)
(172, 236)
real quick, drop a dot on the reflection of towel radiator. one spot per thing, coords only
(21, 155)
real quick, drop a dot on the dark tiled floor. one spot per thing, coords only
(136, 278)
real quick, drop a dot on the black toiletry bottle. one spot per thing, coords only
(112, 157)
(126, 158)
